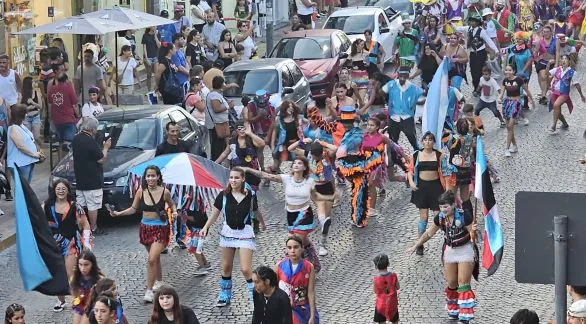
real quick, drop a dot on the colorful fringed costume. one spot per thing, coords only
(353, 163)
(561, 84)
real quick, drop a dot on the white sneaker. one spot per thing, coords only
(157, 285)
(59, 306)
(525, 122)
(201, 271)
(323, 251)
(507, 153)
(148, 296)
(513, 149)
(372, 212)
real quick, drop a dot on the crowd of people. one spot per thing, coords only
(353, 142)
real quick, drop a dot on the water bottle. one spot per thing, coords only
(199, 249)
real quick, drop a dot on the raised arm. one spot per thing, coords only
(315, 116)
(263, 175)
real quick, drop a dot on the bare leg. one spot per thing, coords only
(154, 271)
(93, 218)
(227, 261)
(510, 133)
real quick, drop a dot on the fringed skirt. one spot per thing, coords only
(150, 234)
(237, 238)
(511, 108)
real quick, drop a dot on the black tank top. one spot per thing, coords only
(158, 206)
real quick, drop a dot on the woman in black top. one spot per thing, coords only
(357, 61)
(165, 73)
(65, 219)
(226, 48)
(271, 304)
(150, 199)
(195, 53)
(459, 255)
(168, 310)
(429, 63)
(511, 105)
(237, 203)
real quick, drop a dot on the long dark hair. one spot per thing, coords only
(144, 184)
(27, 89)
(265, 273)
(158, 312)
(53, 196)
(223, 34)
(283, 109)
(95, 272)
(354, 47)
(101, 288)
(10, 310)
(228, 189)
(109, 301)
(164, 51)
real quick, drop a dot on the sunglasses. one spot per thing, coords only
(240, 128)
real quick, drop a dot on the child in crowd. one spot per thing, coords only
(104, 287)
(386, 285)
(14, 314)
(86, 275)
(92, 108)
(478, 129)
(489, 91)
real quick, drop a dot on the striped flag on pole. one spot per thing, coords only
(493, 233)
(436, 104)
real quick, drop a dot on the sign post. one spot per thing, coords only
(270, 26)
(560, 247)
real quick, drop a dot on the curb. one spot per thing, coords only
(7, 242)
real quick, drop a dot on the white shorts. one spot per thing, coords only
(237, 239)
(460, 254)
(92, 199)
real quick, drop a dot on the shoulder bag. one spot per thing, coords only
(222, 129)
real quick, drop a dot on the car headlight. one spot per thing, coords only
(122, 181)
(318, 77)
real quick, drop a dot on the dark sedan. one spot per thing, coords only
(135, 131)
(320, 53)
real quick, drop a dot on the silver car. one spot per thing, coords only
(280, 77)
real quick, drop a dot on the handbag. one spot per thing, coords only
(222, 129)
(162, 213)
(117, 76)
(171, 85)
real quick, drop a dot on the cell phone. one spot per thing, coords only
(152, 98)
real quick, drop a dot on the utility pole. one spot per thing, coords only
(270, 26)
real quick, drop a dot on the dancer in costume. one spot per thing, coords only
(561, 84)
(65, 218)
(403, 96)
(86, 275)
(385, 287)
(426, 181)
(288, 128)
(299, 188)
(520, 58)
(351, 162)
(458, 257)
(461, 144)
(322, 172)
(345, 78)
(154, 225)
(236, 203)
(544, 60)
(507, 19)
(406, 43)
(357, 60)
(260, 113)
(511, 105)
(372, 141)
(458, 59)
(297, 278)
(195, 221)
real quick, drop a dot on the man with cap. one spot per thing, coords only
(260, 113)
(577, 312)
(477, 42)
(402, 102)
(406, 43)
(166, 32)
(490, 25)
(507, 19)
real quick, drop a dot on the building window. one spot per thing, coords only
(124, 3)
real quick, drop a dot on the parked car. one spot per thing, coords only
(385, 25)
(135, 131)
(320, 53)
(280, 77)
(390, 6)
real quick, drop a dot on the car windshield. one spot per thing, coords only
(303, 48)
(250, 81)
(351, 25)
(135, 134)
(397, 5)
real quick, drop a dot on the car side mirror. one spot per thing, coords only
(384, 30)
(343, 55)
(287, 90)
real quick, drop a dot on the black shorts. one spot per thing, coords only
(463, 176)
(380, 318)
(542, 65)
(427, 195)
(326, 189)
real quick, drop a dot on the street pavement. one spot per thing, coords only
(344, 289)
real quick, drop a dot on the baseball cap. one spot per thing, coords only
(347, 113)
(164, 13)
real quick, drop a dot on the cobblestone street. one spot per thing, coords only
(344, 289)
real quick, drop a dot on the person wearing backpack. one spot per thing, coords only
(165, 76)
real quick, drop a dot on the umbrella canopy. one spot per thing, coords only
(136, 18)
(189, 178)
(78, 25)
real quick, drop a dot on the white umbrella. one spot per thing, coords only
(78, 25)
(136, 18)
